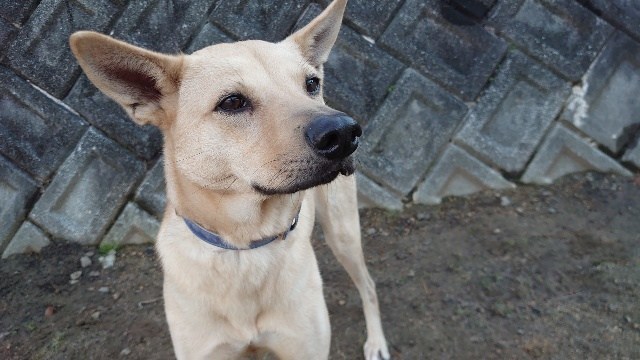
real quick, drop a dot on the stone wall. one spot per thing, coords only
(455, 96)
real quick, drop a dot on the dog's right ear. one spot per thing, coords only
(139, 80)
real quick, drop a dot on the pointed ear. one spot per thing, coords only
(139, 80)
(317, 38)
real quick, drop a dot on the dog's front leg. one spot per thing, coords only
(337, 210)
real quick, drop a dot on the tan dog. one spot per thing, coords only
(248, 141)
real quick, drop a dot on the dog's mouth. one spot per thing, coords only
(306, 178)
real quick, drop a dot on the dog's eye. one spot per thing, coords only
(313, 85)
(233, 103)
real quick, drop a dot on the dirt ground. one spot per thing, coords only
(544, 273)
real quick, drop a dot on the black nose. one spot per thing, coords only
(333, 136)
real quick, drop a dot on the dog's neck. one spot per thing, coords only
(239, 218)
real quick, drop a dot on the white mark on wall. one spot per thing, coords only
(577, 103)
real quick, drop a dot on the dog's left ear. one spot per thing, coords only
(317, 38)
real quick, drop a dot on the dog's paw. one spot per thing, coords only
(376, 349)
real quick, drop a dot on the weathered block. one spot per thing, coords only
(607, 103)
(17, 12)
(409, 131)
(358, 74)
(134, 226)
(151, 195)
(458, 173)
(105, 114)
(633, 155)
(37, 134)
(29, 238)
(622, 13)
(16, 190)
(7, 32)
(369, 17)
(560, 33)
(40, 51)
(562, 153)
(161, 25)
(460, 57)
(373, 195)
(208, 35)
(268, 20)
(513, 113)
(88, 189)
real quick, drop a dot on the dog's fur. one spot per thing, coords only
(244, 175)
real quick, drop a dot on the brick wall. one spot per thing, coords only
(456, 96)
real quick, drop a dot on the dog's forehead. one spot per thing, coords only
(252, 57)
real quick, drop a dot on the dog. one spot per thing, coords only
(251, 154)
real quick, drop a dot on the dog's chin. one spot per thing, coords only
(324, 175)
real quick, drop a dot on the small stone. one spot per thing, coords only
(497, 231)
(423, 216)
(73, 282)
(341, 302)
(85, 261)
(49, 311)
(108, 260)
(89, 254)
(520, 210)
(371, 231)
(95, 315)
(125, 352)
(94, 273)
(552, 210)
(627, 318)
(76, 275)
(505, 201)
(116, 296)
(520, 332)
(103, 289)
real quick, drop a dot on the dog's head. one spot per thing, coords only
(241, 117)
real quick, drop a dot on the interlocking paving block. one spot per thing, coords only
(269, 20)
(151, 195)
(105, 114)
(560, 33)
(29, 238)
(88, 189)
(7, 32)
(373, 195)
(624, 13)
(37, 133)
(407, 134)
(460, 57)
(41, 53)
(458, 173)
(513, 113)
(161, 25)
(564, 152)
(633, 155)
(17, 12)
(16, 190)
(134, 226)
(358, 75)
(607, 102)
(208, 35)
(369, 17)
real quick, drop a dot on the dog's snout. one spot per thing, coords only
(333, 136)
